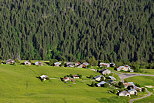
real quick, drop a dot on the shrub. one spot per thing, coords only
(52, 61)
(121, 85)
(143, 89)
(93, 84)
(17, 60)
(80, 76)
(91, 77)
(92, 61)
(114, 91)
(106, 85)
(138, 85)
(1, 61)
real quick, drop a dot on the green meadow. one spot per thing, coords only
(20, 85)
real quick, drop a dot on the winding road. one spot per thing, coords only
(149, 94)
(127, 75)
(123, 76)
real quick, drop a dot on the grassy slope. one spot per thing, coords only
(20, 85)
(143, 80)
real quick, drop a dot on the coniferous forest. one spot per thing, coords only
(109, 30)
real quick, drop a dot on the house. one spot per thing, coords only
(27, 63)
(69, 64)
(134, 87)
(112, 82)
(131, 70)
(80, 66)
(138, 89)
(99, 77)
(132, 92)
(66, 79)
(44, 77)
(75, 76)
(105, 71)
(95, 70)
(112, 64)
(57, 64)
(85, 64)
(123, 68)
(39, 63)
(10, 61)
(111, 77)
(126, 85)
(124, 93)
(101, 83)
(77, 64)
(104, 65)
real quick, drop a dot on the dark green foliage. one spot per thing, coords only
(92, 61)
(91, 77)
(80, 76)
(1, 61)
(52, 61)
(93, 84)
(106, 85)
(143, 89)
(17, 60)
(114, 91)
(120, 84)
(138, 85)
(73, 30)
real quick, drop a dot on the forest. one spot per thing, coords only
(73, 30)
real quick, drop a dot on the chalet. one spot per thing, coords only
(85, 64)
(77, 64)
(57, 64)
(82, 66)
(138, 89)
(104, 64)
(10, 61)
(99, 77)
(69, 64)
(112, 64)
(123, 68)
(126, 85)
(95, 70)
(134, 87)
(44, 77)
(66, 79)
(132, 92)
(75, 76)
(105, 71)
(27, 63)
(39, 63)
(124, 93)
(101, 83)
(111, 77)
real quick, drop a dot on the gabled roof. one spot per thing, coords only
(98, 76)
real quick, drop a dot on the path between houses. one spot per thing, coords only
(128, 75)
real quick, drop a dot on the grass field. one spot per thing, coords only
(20, 85)
(148, 71)
(145, 81)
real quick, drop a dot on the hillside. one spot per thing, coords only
(20, 85)
(109, 30)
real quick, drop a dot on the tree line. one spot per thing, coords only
(73, 30)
